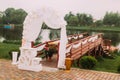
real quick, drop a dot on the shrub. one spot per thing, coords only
(88, 62)
(118, 69)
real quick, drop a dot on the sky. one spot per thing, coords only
(97, 8)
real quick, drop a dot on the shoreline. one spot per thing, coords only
(88, 28)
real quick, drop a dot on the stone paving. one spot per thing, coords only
(11, 72)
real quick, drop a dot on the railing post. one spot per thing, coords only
(58, 53)
(81, 48)
(32, 44)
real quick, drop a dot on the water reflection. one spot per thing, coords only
(16, 34)
(115, 37)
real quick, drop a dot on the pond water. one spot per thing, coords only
(16, 34)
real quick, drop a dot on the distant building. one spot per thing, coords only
(10, 26)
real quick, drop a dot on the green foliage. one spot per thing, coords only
(91, 28)
(52, 48)
(108, 65)
(79, 19)
(109, 55)
(112, 19)
(73, 21)
(68, 16)
(84, 19)
(98, 23)
(88, 62)
(12, 41)
(117, 53)
(44, 26)
(13, 16)
(11, 34)
(99, 58)
(5, 48)
(118, 68)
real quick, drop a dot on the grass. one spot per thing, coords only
(88, 28)
(5, 48)
(108, 65)
(105, 64)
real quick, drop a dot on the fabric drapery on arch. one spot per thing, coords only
(62, 48)
(45, 35)
(33, 24)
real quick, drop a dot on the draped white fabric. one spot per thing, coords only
(45, 35)
(75, 37)
(69, 38)
(52, 19)
(84, 42)
(62, 49)
(77, 45)
(33, 24)
(80, 36)
(92, 39)
(34, 20)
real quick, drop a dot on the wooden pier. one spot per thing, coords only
(80, 45)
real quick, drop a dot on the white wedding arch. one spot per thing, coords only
(31, 29)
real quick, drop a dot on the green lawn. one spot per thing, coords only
(108, 65)
(105, 64)
(5, 48)
(88, 28)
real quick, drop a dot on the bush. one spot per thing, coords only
(88, 62)
(118, 69)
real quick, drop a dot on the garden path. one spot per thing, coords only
(11, 72)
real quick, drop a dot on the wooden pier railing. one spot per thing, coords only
(83, 46)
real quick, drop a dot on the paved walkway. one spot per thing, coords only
(11, 72)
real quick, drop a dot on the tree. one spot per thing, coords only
(73, 21)
(13, 16)
(7, 17)
(89, 20)
(1, 15)
(111, 19)
(98, 23)
(84, 19)
(78, 19)
(68, 16)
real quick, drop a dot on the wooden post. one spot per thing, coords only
(58, 54)
(32, 44)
